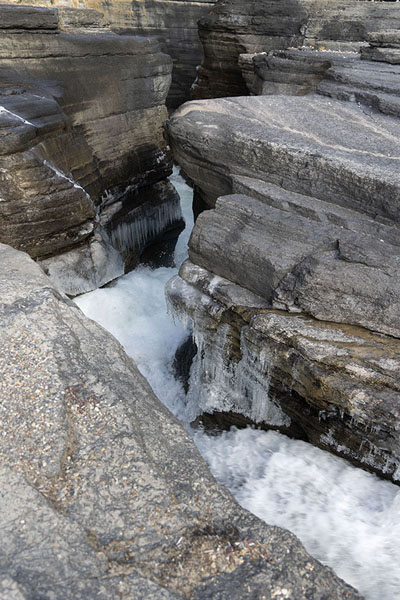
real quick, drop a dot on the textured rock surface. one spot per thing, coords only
(81, 118)
(311, 226)
(318, 147)
(172, 22)
(295, 72)
(383, 46)
(340, 75)
(103, 494)
(235, 27)
(333, 385)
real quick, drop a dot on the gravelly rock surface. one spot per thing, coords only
(103, 494)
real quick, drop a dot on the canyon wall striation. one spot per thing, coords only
(173, 23)
(292, 281)
(234, 27)
(83, 160)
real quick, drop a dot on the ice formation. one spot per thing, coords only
(347, 518)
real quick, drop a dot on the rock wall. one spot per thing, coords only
(173, 23)
(292, 284)
(103, 494)
(234, 27)
(82, 116)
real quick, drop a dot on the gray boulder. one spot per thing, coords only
(103, 493)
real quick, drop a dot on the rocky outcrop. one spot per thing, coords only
(103, 494)
(82, 143)
(173, 23)
(340, 75)
(234, 27)
(292, 284)
(384, 46)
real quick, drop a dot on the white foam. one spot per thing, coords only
(346, 517)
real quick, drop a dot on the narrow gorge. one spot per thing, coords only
(268, 335)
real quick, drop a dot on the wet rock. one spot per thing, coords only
(292, 284)
(333, 385)
(183, 361)
(102, 486)
(82, 139)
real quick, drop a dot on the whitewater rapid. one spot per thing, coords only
(345, 517)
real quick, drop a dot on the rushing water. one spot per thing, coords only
(344, 516)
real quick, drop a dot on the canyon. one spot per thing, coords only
(289, 290)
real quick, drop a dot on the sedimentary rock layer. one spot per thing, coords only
(310, 226)
(173, 23)
(330, 384)
(234, 27)
(340, 75)
(81, 118)
(333, 151)
(103, 494)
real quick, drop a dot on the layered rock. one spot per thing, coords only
(234, 28)
(82, 118)
(172, 22)
(341, 75)
(103, 494)
(310, 228)
(384, 46)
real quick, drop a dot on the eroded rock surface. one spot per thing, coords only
(310, 227)
(173, 23)
(103, 493)
(234, 27)
(81, 119)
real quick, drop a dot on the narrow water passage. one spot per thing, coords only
(345, 517)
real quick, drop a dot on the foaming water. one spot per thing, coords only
(344, 516)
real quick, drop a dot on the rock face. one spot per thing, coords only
(173, 23)
(103, 494)
(82, 144)
(234, 27)
(292, 284)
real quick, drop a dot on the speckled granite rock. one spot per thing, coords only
(235, 27)
(102, 492)
(81, 119)
(311, 226)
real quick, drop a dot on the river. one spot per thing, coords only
(345, 517)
